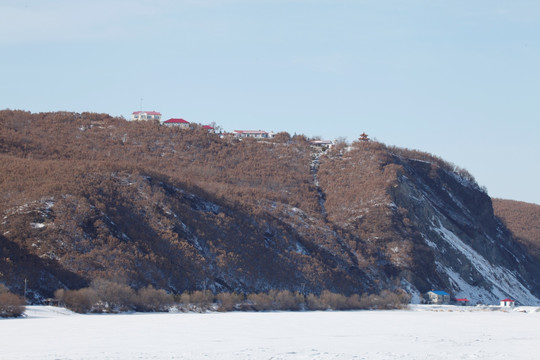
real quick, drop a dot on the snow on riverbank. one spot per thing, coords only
(420, 333)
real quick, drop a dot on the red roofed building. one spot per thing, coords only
(508, 303)
(209, 128)
(462, 302)
(177, 122)
(146, 115)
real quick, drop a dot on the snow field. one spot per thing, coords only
(442, 332)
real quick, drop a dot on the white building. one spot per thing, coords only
(321, 143)
(146, 115)
(508, 303)
(438, 297)
(258, 134)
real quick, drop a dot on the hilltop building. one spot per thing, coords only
(146, 115)
(258, 134)
(321, 143)
(363, 137)
(181, 123)
(209, 128)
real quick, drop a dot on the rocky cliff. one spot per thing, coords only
(474, 255)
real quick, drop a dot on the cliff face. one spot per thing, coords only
(88, 196)
(474, 254)
(427, 223)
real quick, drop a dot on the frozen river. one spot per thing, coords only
(420, 333)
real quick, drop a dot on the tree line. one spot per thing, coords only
(105, 296)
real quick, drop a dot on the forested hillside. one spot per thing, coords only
(523, 219)
(87, 196)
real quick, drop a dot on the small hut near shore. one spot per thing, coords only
(508, 303)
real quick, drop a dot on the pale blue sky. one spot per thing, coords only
(459, 79)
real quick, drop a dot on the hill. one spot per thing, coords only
(87, 196)
(523, 219)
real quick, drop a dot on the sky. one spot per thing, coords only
(458, 79)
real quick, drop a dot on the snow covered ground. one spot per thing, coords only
(423, 332)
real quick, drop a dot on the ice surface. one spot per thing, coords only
(445, 332)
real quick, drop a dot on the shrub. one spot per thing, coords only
(201, 298)
(286, 300)
(260, 301)
(395, 300)
(334, 301)
(81, 301)
(113, 297)
(314, 302)
(11, 305)
(366, 301)
(354, 302)
(183, 298)
(385, 300)
(229, 301)
(150, 299)
(59, 295)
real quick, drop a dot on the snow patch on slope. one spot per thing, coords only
(416, 296)
(478, 294)
(504, 282)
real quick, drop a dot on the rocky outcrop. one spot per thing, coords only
(474, 255)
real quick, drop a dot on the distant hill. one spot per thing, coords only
(87, 196)
(523, 219)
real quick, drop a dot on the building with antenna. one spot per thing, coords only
(146, 115)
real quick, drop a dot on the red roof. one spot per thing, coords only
(462, 299)
(176, 121)
(508, 300)
(147, 112)
(207, 127)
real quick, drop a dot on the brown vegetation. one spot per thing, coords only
(228, 301)
(356, 184)
(11, 305)
(150, 299)
(105, 198)
(108, 296)
(523, 219)
(88, 196)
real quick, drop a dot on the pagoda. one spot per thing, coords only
(363, 137)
